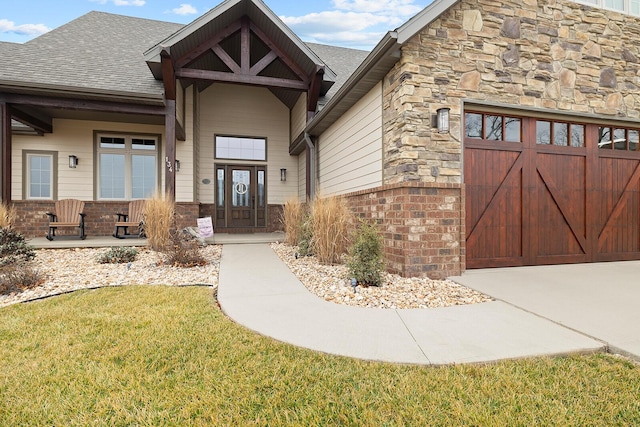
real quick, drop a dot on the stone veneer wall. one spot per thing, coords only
(554, 56)
(32, 220)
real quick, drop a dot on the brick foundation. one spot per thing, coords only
(422, 225)
(274, 222)
(32, 220)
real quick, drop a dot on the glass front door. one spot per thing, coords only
(241, 197)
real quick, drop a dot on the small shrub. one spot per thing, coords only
(118, 255)
(292, 219)
(159, 215)
(330, 221)
(14, 248)
(19, 277)
(183, 250)
(365, 261)
(7, 215)
(305, 242)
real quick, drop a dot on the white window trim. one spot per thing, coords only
(128, 152)
(26, 188)
(600, 4)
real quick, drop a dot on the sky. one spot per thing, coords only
(357, 24)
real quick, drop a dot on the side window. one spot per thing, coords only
(39, 175)
(127, 166)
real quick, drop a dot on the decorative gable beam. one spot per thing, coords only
(196, 53)
(281, 54)
(242, 72)
(314, 92)
(168, 75)
(263, 63)
(187, 73)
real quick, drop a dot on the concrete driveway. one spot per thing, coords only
(601, 300)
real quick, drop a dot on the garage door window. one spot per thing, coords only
(559, 133)
(618, 139)
(493, 127)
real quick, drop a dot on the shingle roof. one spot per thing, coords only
(342, 61)
(102, 53)
(98, 52)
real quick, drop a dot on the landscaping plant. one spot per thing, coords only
(305, 241)
(292, 220)
(118, 255)
(159, 221)
(183, 250)
(7, 215)
(330, 222)
(365, 261)
(16, 271)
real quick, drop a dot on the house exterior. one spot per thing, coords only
(539, 165)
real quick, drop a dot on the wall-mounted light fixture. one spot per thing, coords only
(73, 161)
(177, 165)
(442, 118)
(283, 174)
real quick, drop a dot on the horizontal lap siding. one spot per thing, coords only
(302, 174)
(246, 111)
(299, 116)
(70, 137)
(350, 151)
(185, 189)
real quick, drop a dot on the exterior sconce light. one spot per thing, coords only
(177, 165)
(442, 117)
(283, 174)
(73, 161)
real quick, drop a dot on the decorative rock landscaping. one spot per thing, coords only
(68, 270)
(331, 283)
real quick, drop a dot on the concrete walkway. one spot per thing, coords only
(601, 300)
(257, 290)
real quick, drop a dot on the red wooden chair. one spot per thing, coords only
(68, 213)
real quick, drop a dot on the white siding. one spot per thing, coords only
(299, 116)
(302, 174)
(70, 137)
(350, 151)
(246, 111)
(185, 188)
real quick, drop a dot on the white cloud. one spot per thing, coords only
(358, 23)
(185, 9)
(129, 2)
(388, 7)
(7, 26)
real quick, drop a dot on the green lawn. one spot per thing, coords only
(155, 356)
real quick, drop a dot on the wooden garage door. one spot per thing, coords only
(549, 192)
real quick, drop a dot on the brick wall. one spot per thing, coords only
(32, 220)
(422, 225)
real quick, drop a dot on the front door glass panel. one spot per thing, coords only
(241, 195)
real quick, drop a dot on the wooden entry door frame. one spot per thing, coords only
(241, 201)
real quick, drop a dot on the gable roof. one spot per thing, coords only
(375, 67)
(98, 54)
(222, 16)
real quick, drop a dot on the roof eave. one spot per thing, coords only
(423, 18)
(88, 93)
(387, 48)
